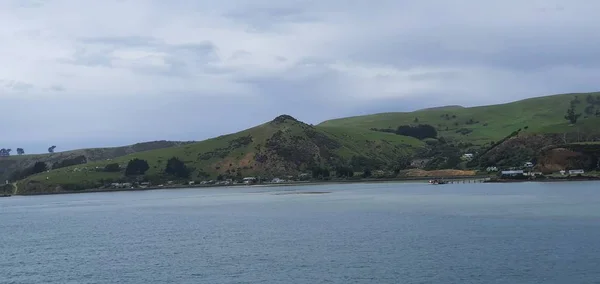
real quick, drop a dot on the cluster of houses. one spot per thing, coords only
(528, 171)
(246, 180)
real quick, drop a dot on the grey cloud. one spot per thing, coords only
(84, 57)
(182, 59)
(57, 88)
(269, 17)
(17, 86)
(120, 41)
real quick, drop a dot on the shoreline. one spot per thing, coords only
(486, 179)
(590, 178)
(298, 183)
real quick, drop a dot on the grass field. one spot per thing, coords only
(16, 162)
(486, 123)
(287, 147)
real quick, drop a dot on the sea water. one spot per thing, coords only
(352, 233)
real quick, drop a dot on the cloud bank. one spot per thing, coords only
(93, 73)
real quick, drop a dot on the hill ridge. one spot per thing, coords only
(485, 124)
(437, 108)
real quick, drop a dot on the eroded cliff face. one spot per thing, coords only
(517, 150)
(566, 157)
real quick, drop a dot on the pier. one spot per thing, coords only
(463, 180)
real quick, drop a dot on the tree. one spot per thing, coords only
(571, 116)
(136, 167)
(318, 172)
(416, 120)
(112, 168)
(20, 151)
(589, 110)
(420, 131)
(51, 149)
(39, 167)
(344, 172)
(177, 168)
(367, 173)
(590, 99)
(5, 152)
(78, 160)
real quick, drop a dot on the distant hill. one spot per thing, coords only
(283, 146)
(485, 124)
(503, 135)
(8, 165)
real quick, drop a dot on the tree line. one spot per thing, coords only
(421, 131)
(573, 116)
(5, 152)
(136, 167)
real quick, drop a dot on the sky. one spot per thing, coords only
(80, 74)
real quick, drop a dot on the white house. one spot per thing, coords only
(576, 172)
(528, 165)
(512, 173)
(492, 169)
(248, 180)
(467, 156)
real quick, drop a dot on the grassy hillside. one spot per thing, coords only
(8, 165)
(280, 147)
(481, 125)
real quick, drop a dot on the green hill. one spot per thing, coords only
(484, 124)
(10, 165)
(283, 146)
(286, 146)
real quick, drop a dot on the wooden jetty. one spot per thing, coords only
(459, 180)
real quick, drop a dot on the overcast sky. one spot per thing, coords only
(79, 73)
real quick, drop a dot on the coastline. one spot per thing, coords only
(587, 178)
(486, 179)
(298, 183)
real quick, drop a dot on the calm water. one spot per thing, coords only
(362, 233)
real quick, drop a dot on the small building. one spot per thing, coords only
(304, 176)
(467, 156)
(121, 185)
(576, 172)
(249, 180)
(277, 180)
(491, 169)
(512, 173)
(528, 165)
